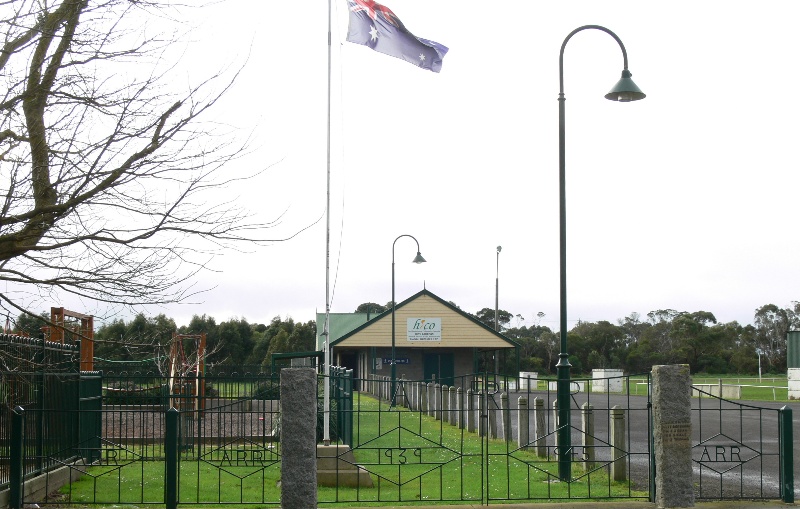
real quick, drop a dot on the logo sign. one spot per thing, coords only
(424, 329)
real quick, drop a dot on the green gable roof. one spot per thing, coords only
(340, 324)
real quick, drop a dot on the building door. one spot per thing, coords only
(349, 360)
(440, 365)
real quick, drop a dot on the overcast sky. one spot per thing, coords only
(686, 200)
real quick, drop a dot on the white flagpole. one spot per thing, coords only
(326, 437)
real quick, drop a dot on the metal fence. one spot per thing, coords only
(43, 378)
(473, 441)
(110, 426)
(741, 451)
(483, 440)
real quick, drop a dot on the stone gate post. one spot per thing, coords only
(672, 435)
(298, 437)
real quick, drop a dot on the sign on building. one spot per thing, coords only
(397, 360)
(424, 329)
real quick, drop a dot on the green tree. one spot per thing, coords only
(142, 338)
(633, 327)
(110, 341)
(743, 349)
(602, 340)
(697, 344)
(549, 343)
(31, 325)
(486, 316)
(286, 336)
(531, 349)
(206, 324)
(278, 344)
(145, 330)
(260, 345)
(662, 346)
(642, 356)
(371, 307)
(234, 341)
(772, 323)
(303, 337)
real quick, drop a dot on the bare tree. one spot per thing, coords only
(108, 176)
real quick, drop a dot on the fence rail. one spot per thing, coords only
(741, 450)
(42, 377)
(514, 432)
(468, 441)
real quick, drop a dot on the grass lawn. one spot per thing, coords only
(772, 388)
(767, 388)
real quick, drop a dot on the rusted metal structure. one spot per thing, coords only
(186, 371)
(70, 327)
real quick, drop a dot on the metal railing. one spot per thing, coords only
(42, 377)
(444, 444)
(483, 439)
(741, 451)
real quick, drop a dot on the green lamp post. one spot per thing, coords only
(417, 259)
(625, 90)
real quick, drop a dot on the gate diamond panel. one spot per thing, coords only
(402, 455)
(736, 449)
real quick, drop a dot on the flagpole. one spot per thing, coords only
(326, 436)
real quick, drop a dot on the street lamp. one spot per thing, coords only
(417, 259)
(759, 352)
(625, 90)
(497, 289)
(497, 311)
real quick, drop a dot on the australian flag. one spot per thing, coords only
(376, 26)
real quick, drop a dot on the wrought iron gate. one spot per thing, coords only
(610, 431)
(490, 439)
(741, 451)
(483, 440)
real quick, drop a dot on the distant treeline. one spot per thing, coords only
(634, 343)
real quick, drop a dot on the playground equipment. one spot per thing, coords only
(71, 327)
(185, 371)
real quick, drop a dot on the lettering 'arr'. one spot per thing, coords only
(254, 457)
(723, 449)
(731, 453)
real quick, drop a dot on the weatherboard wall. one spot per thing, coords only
(458, 331)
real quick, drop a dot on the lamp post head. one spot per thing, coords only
(625, 90)
(499, 248)
(419, 258)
